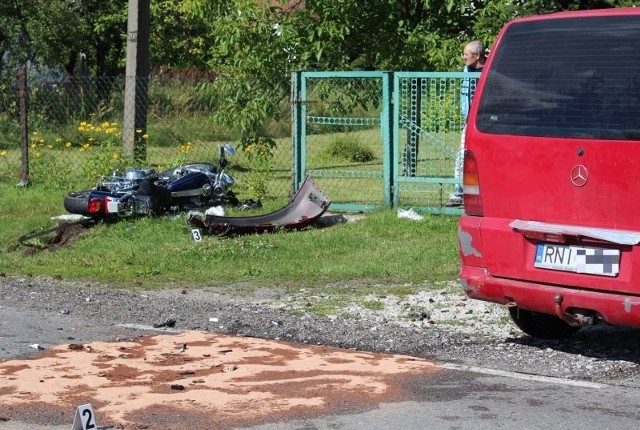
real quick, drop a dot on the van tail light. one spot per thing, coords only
(95, 206)
(471, 186)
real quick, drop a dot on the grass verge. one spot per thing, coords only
(159, 252)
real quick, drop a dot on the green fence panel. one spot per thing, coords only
(427, 130)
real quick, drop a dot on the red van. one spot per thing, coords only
(551, 224)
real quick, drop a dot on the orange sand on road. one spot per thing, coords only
(198, 380)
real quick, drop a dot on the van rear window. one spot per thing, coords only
(569, 77)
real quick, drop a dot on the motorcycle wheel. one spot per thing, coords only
(77, 203)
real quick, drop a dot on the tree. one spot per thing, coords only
(258, 46)
(104, 39)
(254, 53)
(254, 45)
(54, 32)
(38, 31)
(181, 39)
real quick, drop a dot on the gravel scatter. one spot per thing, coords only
(440, 324)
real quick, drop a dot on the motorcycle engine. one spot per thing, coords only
(127, 181)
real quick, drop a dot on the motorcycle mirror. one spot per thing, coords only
(229, 149)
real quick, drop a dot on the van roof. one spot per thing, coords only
(582, 13)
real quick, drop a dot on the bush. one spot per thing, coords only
(351, 149)
(259, 153)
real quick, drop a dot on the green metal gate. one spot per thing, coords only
(341, 128)
(378, 139)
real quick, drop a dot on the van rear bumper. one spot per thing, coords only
(613, 308)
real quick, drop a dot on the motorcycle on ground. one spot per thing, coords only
(142, 192)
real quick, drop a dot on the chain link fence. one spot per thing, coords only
(75, 134)
(369, 139)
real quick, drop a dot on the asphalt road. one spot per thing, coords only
(450, 397)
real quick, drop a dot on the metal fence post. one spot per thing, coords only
(296, 130)
(387, 131)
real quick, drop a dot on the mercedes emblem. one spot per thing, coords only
(579, 175)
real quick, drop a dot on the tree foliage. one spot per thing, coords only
(55, 33)
(254, 45)
(180, 38)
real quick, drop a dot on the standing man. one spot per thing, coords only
(474, 56)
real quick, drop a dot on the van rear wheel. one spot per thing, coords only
(544, 326)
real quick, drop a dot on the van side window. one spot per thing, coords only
(565, 78)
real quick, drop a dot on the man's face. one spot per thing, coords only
(470, 59)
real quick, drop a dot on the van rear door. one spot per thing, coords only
(555, 130)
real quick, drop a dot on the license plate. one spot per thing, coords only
(578, 259)
(112, 205)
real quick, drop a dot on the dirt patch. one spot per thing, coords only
(54, 238)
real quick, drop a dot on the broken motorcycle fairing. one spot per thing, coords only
(305, 208)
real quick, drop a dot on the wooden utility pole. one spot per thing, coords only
(136, 98)
(24, 128)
